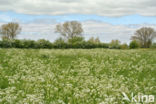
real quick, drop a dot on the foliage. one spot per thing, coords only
(69, 29)
(145, 36)
(76, 40)
(134, 44)
(10, 30)
(24, 43)
(60, 43)
(75, 76)
(42, 43)
(124, 46)
(115, 44)
(6, 43)
(153, 45)
(93, 40)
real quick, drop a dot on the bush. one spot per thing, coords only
(29, 44)
(75, 40)
(6, 44)
(95, 43)
(153, 45)
(134, 44)
(24, 44)
(18, 44)
(124, 46)
(42, 43)
(60, 43)
(103, 45)
(115, 44)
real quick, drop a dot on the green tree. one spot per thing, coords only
(75, 40)
(134, 44)
(94, 40)
(124, 46)
(114, 44)
(153, 45)
(42, 43)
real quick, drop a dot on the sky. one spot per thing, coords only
(106, 19)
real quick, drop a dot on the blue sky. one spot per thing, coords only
(7, 16)
(106, 19)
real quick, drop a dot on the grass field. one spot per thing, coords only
(97, 76)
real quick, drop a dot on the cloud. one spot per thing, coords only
(105, 31)
(37, 31)
(50, 19)
(97, 7)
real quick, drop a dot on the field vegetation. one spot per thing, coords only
(75, 76)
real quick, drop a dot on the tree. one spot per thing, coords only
(144, 36)
(59, 40)
(97, 40)
(124, 46)
(60, 43)
(153, 45)
(94, 40)
(10, 30)
(134, 44)
(114, 44)
(69, 29)
(42, 43)
(75, 40)
(91, 40)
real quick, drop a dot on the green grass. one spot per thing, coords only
(75, 76)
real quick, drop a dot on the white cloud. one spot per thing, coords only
(37, 31)
(98, 7)
(106, 32)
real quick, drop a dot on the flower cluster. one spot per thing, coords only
(75, 76)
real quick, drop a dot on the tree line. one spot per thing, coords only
(71, 32)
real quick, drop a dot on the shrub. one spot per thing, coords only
(75, 40)
(115, 44)
(103, 45)
(5, 44)
(124, 46)
(18, 44)
(94, 40)
(90, 45)
(134, 44)
(60, 43)
(78, 45)
(153, 45)
(95, 43)
(24, 44)
(42, 43)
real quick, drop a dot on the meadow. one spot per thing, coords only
(75, 76)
